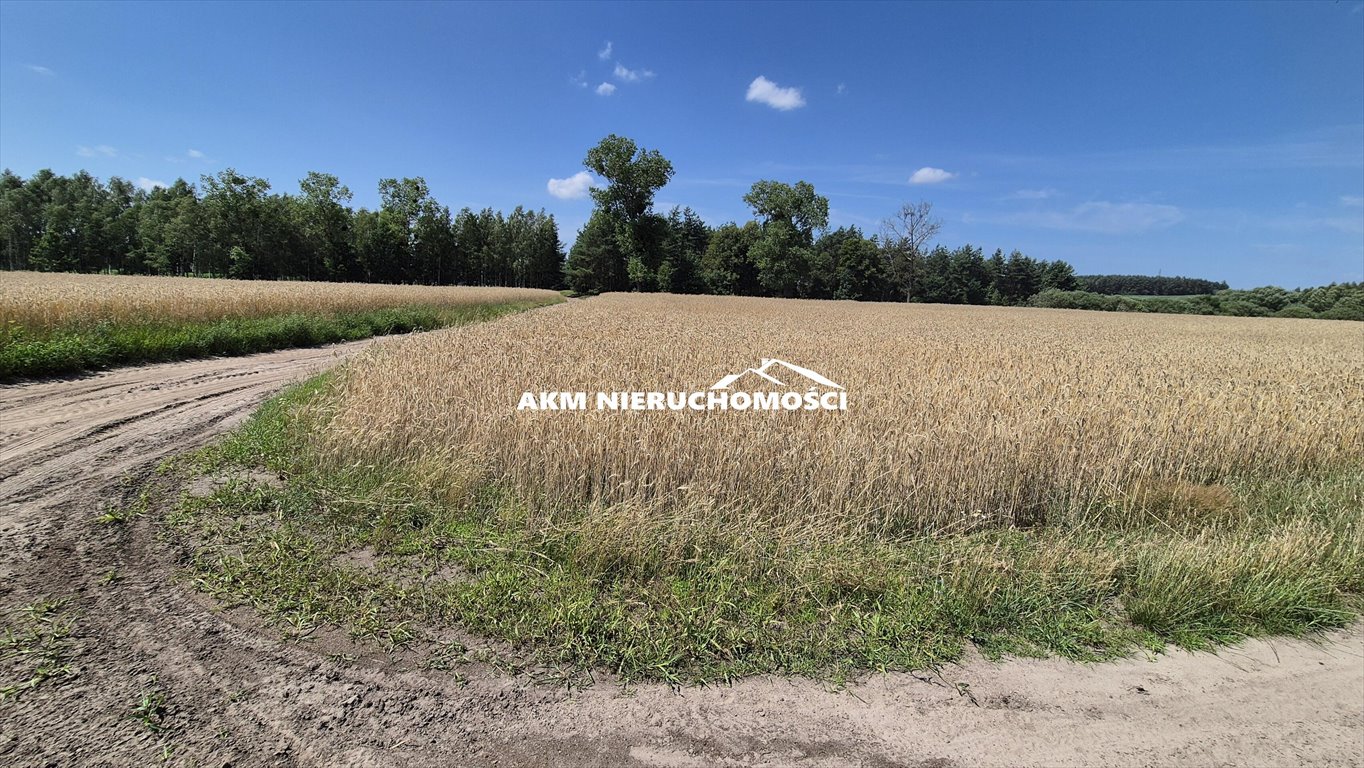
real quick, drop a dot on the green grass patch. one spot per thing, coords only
(364, 549)
(36, 646)
(105, 344)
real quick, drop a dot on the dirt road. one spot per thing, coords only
(227, 692)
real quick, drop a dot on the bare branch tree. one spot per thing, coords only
(905, 237)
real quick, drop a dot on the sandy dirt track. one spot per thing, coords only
(237, 695)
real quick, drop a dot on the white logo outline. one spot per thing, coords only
(767, 362)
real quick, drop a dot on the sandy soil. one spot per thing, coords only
(237, 695)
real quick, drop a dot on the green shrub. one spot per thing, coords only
(1296, 310)
(1243, 308)
(1347, 308)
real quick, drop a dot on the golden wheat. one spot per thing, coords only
(957, 417)
(40, 301)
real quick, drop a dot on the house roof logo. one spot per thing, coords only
(770, 369)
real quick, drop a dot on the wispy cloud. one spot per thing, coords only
(188, 155)
(1352, 201)
(842, 217)
(1336, 147)
(574, 187)
(148, 185)
(927, 175)
(1349, 224)
(1032, 194)
(890, 174)
(709, 182)
(765, 91)
(101, 150)
(841, 89)
(1101, 216)
(606, 89)
(579, 79)
(1277, 249)
(631, 75)
(838, 194)
(605, 53)
(40, 70)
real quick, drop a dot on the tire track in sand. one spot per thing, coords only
(58, 437)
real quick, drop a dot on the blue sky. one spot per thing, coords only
(1215, 140)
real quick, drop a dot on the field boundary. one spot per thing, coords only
(106, 345)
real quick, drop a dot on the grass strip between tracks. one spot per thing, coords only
(104, 345)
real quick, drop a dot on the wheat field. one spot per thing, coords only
(1027, 480)
(41, 302)
(958, 418)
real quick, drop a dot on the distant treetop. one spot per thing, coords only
(1149, 285)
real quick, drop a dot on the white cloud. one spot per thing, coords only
(189, 154)
(102, 150)
(1352, 201)
(1033, 194)
(841, 89)
(928, 175)
(632, 75)
(572, 188)
(148, 185)
(606, 89)
(765, 91)
(41, 70)
(605, 53)
(1104, 217)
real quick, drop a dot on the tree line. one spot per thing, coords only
(1337, 301)
(232, 225)
(787, 250)
(1149, 285)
